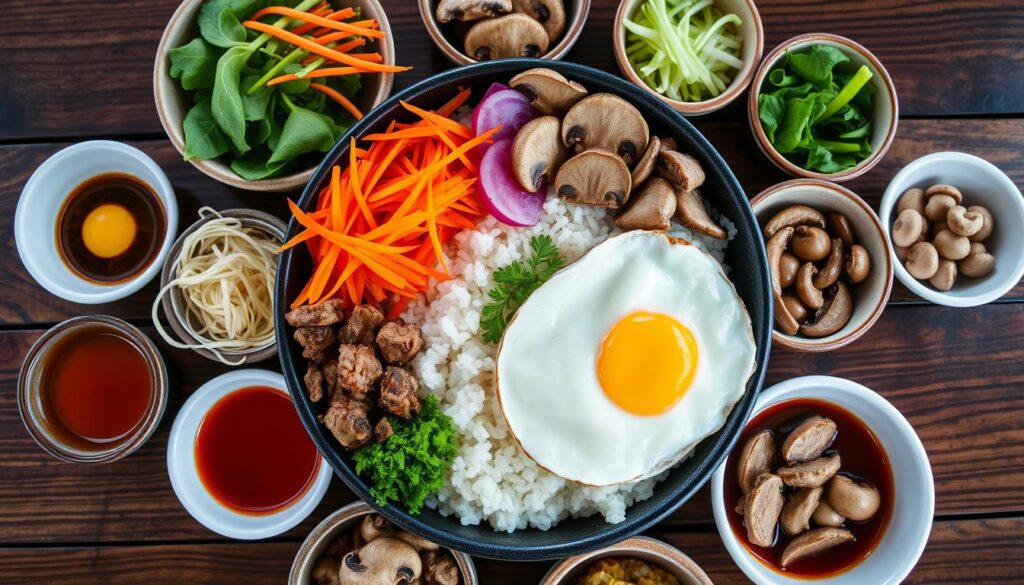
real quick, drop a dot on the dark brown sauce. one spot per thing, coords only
(124, 191)
(862, 456)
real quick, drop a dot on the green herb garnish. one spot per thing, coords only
(815, 110)
(413, 462)
(514, 283)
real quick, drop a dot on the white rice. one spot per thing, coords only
(492, 479)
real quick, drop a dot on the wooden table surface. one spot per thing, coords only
(73, 70)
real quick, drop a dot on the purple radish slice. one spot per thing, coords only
(501, 192)
(506, 108)
(494, 88)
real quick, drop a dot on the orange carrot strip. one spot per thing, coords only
(331, 22)
(305, 27)
(316, 73)
(336, 96)
(354, 185)
(439, 121)
(313, 47)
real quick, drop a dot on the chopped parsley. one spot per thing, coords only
(515, 282)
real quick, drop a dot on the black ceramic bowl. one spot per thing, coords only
(746, 256)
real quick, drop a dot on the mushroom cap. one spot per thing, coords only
(682, 170)
(650, 208)
(606, 121)
(794, 216)
(549, 91)
(549, 13)
(922, 260)
(537, 152)
(383, 561)
(512, 35)
(986, 230)
(692, 214)
(645, 166)
(595, 177)
(449, 10)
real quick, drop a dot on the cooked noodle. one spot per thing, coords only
(225, 274)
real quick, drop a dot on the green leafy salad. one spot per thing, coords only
(815, 109)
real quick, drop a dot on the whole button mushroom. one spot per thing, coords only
(810, 244)
(788, 267)
(945, 276)
(978, 263)
(907, 228)
(859, 265)
(911, 199)
(964, 223)
(947, 190)
(795, 307)
(853, 499)
(922, 260)
(449, 10)
(824, 515)
(938, 206)
(951, 246)
(986, 229)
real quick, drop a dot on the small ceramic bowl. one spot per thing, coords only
(181, 465)
(884, 118)
(911, 521)
(654, 552)
(869, 296)
(752, 32)
(443, 35)
(173, 102)
(982, 183)
(43, 197)
(44, 425)
(173, 304)
(332, 526)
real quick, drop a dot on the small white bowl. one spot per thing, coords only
(181, 465)
(982, 183)
(35, 219)
(911, 522)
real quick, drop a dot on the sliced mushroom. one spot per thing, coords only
(945, 277)
(833, 315)
(812, 473)
(978, 263)
(833, 268)
(537, 152)
(922, 260)
(682, 170)
(594, 177)
(384, 561)
(947, 190)
(907, 228)
(795, 307)
(417, 542)
(964, 223)
(650, 208)
(938, 206)
(550, 13)
(669, 144)
(549, 91)
(776, 246)
(912, 199)
(606, 121)
(788, 266)
(692, 214)
(449, 10)
(756, 459)
(810, 243)
(809, 439)
(853, 499)
(810, 296)
(813, 542)
(986, 229)
(645, 166)
(512, 35)
(794, 216)
(762, 509)
(858, 266)
(796, 513)
(824, 515)
(839, 227)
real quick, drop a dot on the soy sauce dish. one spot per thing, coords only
(828, 482)
(239, 459)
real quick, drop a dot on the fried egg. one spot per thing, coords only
(614, 369)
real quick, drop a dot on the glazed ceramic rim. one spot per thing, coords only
(782, 162)
(733, 91)
(808, 344)
(215, 168)
(804, 387)
(25, 233)
(573, 29)
(336, 521)
(171, 302)
(181, 464)
(889, 200)
(668, 555)
(142, 431)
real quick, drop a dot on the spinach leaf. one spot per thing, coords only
(296, 86)
(203, 137)
(219, 21)
(226, 103)
(255, 105)
(304, 131)
(770, 109)
(348, 85)
(796, 120)
(823, 160)
(257, 132)
(816, 64)
(195, 64)
(255, 165)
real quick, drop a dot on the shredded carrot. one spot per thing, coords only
(331, 22)
(316, 73)
(336, 96)
(305, 27)
(359, 61)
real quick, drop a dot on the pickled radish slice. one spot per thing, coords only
(494, 88)
(506, 108)
(504, 197)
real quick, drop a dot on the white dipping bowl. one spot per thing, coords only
(982, 183)
(35, 220)
(911, 522)
(181, 465)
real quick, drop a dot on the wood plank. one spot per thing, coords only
(951, 375)
(959, 551)
(98, 81)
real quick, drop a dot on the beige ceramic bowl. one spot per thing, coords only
(173, 103)
(655, 552)
(576, 12)
(884, 119)
(752, 32)
(869, 296)
(338, 522)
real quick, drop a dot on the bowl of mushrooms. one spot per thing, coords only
(468, 31)
(956, 223)
(829, 261)
(357, 546)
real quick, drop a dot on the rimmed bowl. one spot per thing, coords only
(654, 552)
(911, 521)
(749, 273)
(982, 184)
(884, 118)
(752, 32)
(576, 12)
(173, 102)
(869, 296)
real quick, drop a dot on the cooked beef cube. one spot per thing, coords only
(326, 313)
(398, 390)
(399, 342)
(330, 371)
(358, 369)
(439, 568)
(348, 421)
(314, 383)
(316, 342)
(362, 325)
(383, 431)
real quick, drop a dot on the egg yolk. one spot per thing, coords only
(108, 230)
(647, 362)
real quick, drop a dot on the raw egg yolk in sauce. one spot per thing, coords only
(108, 230)
(647, 362)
